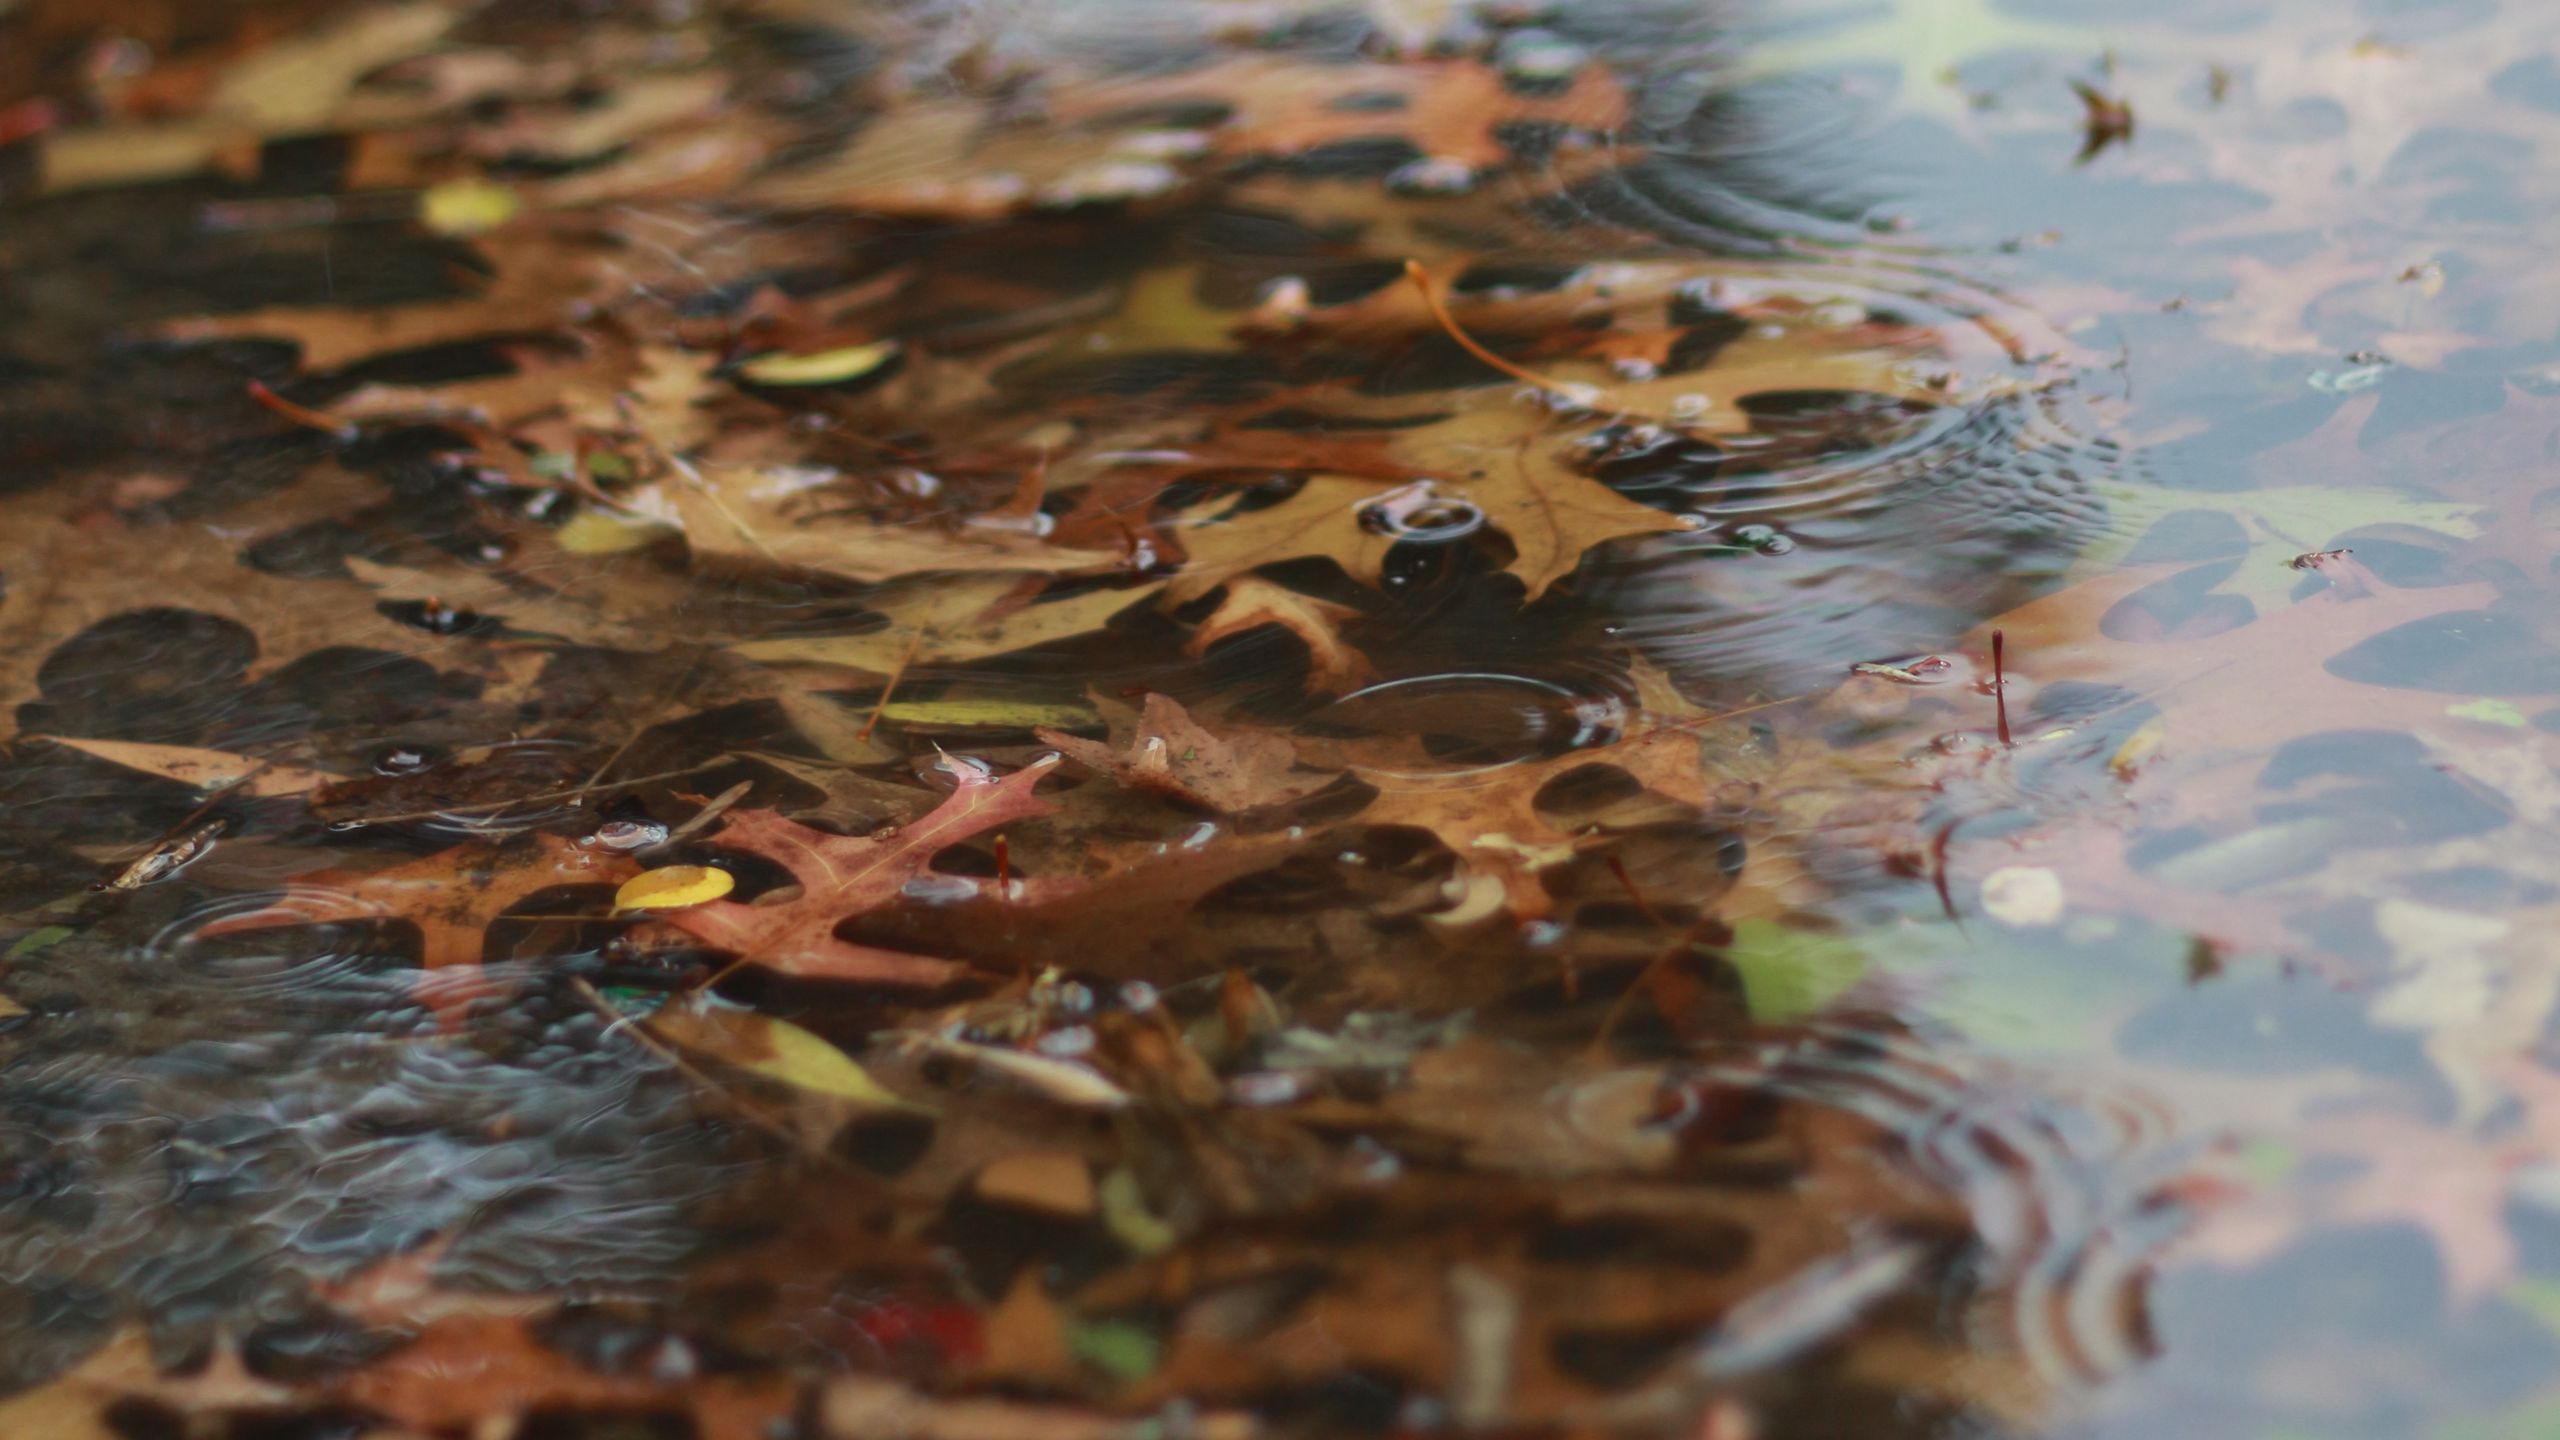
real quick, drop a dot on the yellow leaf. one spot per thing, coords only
(467, 207)
(827, 367)
(673, 887)
(2138, 747)
(803, 1060)
(775, 1049)
(995, 713)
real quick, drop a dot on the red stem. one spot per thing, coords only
(2000, 680)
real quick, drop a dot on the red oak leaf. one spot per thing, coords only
(844, 875)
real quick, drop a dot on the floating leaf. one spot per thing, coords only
(673, 887)
(2489, 712)
(1789, 974)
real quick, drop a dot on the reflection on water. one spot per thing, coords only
(1860, 730)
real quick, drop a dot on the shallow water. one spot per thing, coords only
(1924, 809)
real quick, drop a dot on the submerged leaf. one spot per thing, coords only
(773, 1048)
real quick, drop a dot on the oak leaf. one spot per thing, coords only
(841, 876)
(1252, 603)
(739, 514)
(1173, 755)
(1491, 818)
(540, 280)
(1450, 109)
(951, 620)
(451, 896)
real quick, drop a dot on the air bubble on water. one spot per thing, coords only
(1066, 1043)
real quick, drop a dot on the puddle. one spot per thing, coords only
(1379, 719)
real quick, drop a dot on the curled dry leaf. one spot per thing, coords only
(1251, 603)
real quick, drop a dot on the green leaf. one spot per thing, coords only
(40, 939)
(2488, 712)
(1117, 1348)
(1789, 974)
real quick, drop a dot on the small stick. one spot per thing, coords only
(2000, 680)
(915, 642)
(1421, 279)
(298, 414)
(495, 806)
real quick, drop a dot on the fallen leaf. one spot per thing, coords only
(840, 876)
(1174, 756)
(1046, 1182)
(451, 896)
(775, 1049)
(203, 769)
(825, 367)
(672, 887)
(1250, 603)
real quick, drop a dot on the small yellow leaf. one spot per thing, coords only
(986, 714)
(2137, 748)
(775, 1049)
(806, 1062)
(826, 367)
(467, 207)
(673, 887)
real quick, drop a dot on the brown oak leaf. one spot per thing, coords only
(1251, 603)
(1174, 756)
(1492, 820)
(451, 896)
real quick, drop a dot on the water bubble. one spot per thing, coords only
(1419, 514)
(397, 760)
(1068, 1043)
(630, 834)
(1433, 175)
(1767, 539)
(1539, 58)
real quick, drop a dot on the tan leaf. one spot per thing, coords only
(1251, 602)
(1174, 756)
